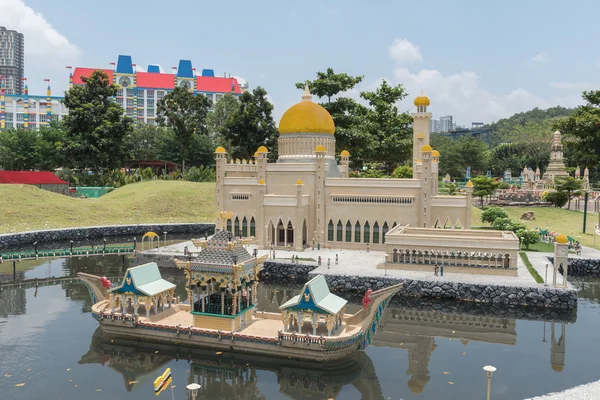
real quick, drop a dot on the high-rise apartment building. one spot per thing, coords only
(446, 123)
(12, 60)
(434, 125)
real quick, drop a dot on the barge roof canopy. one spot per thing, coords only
(315, 296)
(144, 280)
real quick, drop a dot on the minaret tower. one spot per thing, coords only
(321, 175)
(221, 163)
(426, 185)
(421, 132)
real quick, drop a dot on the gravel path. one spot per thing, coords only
(590, 391)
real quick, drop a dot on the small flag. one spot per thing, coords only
(162, 382)
(113, 63)
(133, 65)
(69, 67)
(173, 67)
(46, 80)
(23, 79)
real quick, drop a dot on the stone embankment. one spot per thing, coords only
(497, 295)
(581, 267)
(92, 232)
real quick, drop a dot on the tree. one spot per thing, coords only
(18, 149)
(558, 199)
(507, 224)
(186, 115)
(458, 154)
(528, 237)
(224, 109)
(329, 84)
(145, 140)
(569, 185)
(584, 127)
(402, 172)
(95, 128)
(483, 186)
(49, 147)
(389, 130)
(201, 149)
(252, 125)
(491, 214)
(348, 115)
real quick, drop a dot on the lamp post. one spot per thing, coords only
(165, 233)
(387, 259)
(490, 371)
(546, 277)
(193, 388)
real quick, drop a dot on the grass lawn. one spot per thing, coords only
(25, 207)
(559, 220)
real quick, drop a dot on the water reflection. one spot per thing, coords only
(233, 376)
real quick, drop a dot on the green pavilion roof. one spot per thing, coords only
(143, 280)
(315, 296)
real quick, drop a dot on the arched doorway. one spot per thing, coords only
(289, 234)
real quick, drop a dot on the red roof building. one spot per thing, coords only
(42, 179)
(139, 92)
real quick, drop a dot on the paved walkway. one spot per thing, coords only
(361, 262)
(590, 391)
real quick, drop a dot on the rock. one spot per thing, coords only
(528, 216)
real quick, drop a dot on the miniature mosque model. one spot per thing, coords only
(307, 198)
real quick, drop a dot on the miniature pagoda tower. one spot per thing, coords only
(556, 167)
(222, 282)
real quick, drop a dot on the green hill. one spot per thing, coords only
(25, 207)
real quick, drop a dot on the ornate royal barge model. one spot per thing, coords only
(220, 312)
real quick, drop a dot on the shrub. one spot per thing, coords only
(507, 224)
(491, 214)
(200, 174)
(558, 199)
(528, 237)
(403, 172)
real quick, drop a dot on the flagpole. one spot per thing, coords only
(172, 393)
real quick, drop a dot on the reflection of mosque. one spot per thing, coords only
(234, 376)
(13, 301)
(416, 330)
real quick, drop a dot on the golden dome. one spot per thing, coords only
(261, 182)
(426, 148)
(562, 239)
(320, 149)
(469, 184)
(416, 385)
(420, 136)
(557, 368)
(306, 117)
(256, 154)
(262, 149)
(345, 153)
(220, 150)
(299, 182)
(422, 100)
(435, 153)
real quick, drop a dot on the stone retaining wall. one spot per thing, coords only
(275, 272)
(492, 294)
(581, 267)
(58, 235)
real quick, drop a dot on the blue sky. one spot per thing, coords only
(479, 61)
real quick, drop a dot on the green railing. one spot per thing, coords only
(79, 251)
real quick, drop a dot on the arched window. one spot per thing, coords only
(367, 233)
(330, 231)
(340, 231)
(357, 232)
(348, 231)
(244, 227)
(384, 231)
(229, 225)
(252, 227)
(395, 256)
(236, 226)
(376, 233)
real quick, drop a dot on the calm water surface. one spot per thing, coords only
(50, 343)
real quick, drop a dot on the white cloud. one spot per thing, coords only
(47, 51)
(404, 52)
(539, 58)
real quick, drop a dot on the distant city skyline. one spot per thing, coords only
(12, 60)
(481, 69)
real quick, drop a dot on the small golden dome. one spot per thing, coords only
(422, 100)
(261, 182)
(420, 136)
(435, 153)
(562, 239)
(426, 148)
(558, 368)
(320, 149)
(299, 182)
(220, 150)
(345, 153)
(469, 184)
(262, 149)
(256, 154)
(416, 385)
(306, 117)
